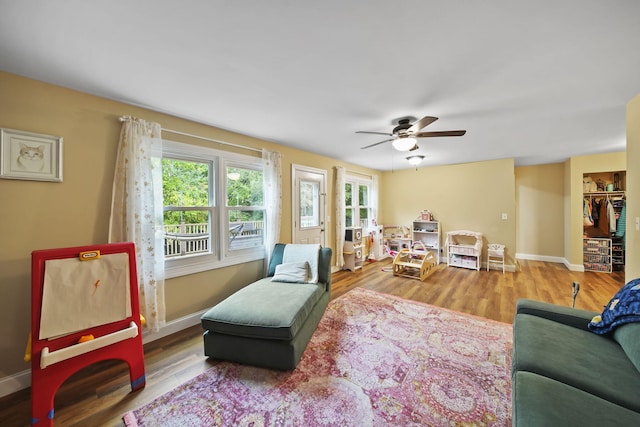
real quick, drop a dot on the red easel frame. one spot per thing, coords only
(126, 333)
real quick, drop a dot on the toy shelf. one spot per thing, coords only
(464, 249)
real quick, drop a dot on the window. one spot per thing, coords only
(213, 208)
(187, 207)
(245, 207)
(357, 202)
(309, 203)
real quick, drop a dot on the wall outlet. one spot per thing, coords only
(504, 215)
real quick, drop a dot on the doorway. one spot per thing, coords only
(308, 204)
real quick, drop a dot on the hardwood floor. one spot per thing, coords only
(100, 394)
(487, 294)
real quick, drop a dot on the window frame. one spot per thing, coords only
(234, 163)
(356, 206)
(219, 255)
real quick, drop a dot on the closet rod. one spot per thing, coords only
(605, 193)
(244, 147)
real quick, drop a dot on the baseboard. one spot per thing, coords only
(556, 259)
(21, 380)
(507, 267)
(15, 382)
(545, 258)
(173, 327)
(574, 267)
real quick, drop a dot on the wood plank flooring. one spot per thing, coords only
(100, 394)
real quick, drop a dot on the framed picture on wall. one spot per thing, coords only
(30, 156)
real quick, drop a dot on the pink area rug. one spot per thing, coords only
(375, 360)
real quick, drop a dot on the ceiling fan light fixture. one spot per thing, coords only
(415, 160)
(404, 143)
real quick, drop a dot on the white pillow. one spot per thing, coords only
(303, 252)
(292, 272)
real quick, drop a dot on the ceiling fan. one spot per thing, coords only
(405, 133)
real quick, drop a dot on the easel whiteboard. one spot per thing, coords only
(79, 295)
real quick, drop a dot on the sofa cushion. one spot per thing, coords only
(593, 363)
(292, 272)
(250, 311)
(628, 336)
(623, 308)
(540, 401)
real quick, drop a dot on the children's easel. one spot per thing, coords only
(84, 309)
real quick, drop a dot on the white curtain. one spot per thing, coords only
(339, 217)
(272, 162)
(137, 211)
(374, 204)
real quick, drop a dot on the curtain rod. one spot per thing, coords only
(359, 173)
(244, 147)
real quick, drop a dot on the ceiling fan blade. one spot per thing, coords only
(375, 133)
(425, 121)
(377, 143)
(441, 133)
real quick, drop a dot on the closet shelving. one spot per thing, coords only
(597, 254)
(603, 246)
(617, 254)
(617, 242)
(604, 253)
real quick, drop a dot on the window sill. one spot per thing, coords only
(176, 269)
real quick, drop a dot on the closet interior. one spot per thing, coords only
(604, 220)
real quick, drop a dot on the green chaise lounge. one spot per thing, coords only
(270, 322)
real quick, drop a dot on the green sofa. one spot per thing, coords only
(269, 323)
(566, 375)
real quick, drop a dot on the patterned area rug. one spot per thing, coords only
(375, 360)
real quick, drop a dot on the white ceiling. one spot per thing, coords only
(538, 81)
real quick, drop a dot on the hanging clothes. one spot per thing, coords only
(587, 213)
(603, 222)
(595, 215)
(595, 212)
(611, 213)
(622, 222)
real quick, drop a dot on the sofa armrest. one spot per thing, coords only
(276, 258)
(324, 267)
(574, 317)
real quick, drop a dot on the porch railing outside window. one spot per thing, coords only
(191, 239)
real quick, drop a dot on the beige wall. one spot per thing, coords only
(469, 196)
(540, 211)
(36, 215)
(39, 215)
(576, 168)
(632, 268)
